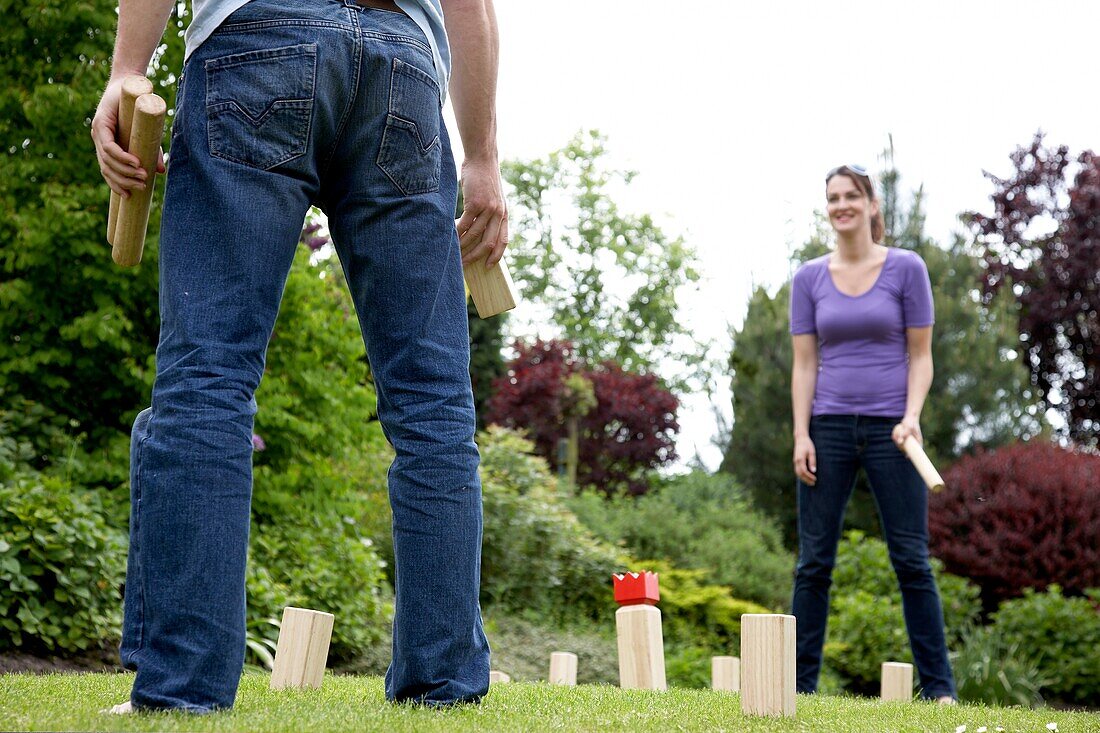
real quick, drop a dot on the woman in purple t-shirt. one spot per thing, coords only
(861, 324)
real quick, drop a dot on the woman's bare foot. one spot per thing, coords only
(123, 708)
(946, 700)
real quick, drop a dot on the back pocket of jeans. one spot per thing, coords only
(259, 104)
(411, 150)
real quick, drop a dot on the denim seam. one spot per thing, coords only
(351, 97)
(140, 644)
(266, 54)
(396, 39)
(253, 25)
(262, 24)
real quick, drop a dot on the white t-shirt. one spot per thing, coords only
(428, 14)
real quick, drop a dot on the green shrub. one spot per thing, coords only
(316, 413)
(61, 567)
(863, 563)
(703, 522)
(689, 666)
(696, 613)
(536, 556)
(864, 631)
(30, 436)
(992, 671)
(521, 646)
(866, 624)
(1061, 635)
(266, 599)
(321, 562)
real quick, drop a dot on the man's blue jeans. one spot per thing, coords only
(287, 105)
(843, 443)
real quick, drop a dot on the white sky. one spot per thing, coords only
(733, 112)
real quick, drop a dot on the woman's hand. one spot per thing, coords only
(908, 426)
(805, 460)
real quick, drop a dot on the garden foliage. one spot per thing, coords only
(537, 557)
(78, 331)
(866, 625)
(1041, 241)
(699, 521)
(1061, 636)
(61, 567)
(1022, 516)
(623, 438)
(609, 279)
(994, 671)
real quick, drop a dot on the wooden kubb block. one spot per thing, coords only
(563, 668)
(490, 287)
(725, 674)
(768, 664)
(638, 622)
(897, 681)
(302, 651)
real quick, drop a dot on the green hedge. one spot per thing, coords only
(61, 567)
(990, 669)
(866, 624)
(703, 522)
(323, 563)
(1061, 636)
(537, 559)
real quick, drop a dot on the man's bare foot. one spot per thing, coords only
(123, 708)
(946, 700)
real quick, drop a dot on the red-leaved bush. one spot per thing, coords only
(627, 434)
(1023, 516)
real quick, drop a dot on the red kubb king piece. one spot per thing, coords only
(632, 589)
(638, 621)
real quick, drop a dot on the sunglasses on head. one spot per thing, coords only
(857, 169)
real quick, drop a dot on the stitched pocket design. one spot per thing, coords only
(259, 104)
(411, 151)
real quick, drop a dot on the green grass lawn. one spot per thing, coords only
(71, 702)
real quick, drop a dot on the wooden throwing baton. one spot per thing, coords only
(132, 88)
(912, 448)
(146, 134)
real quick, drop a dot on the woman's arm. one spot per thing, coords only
(920, 381)
(803, 383)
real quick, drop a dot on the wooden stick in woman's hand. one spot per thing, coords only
(912, 448)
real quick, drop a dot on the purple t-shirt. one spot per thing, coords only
(862, 347)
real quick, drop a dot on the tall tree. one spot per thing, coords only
(1043, 238)
(607, 278)
(78, 332)
(979, 396)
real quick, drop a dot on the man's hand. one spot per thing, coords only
(472, 29)
(121, 170)
(483, 228)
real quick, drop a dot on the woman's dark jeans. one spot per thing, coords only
(844, 443)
